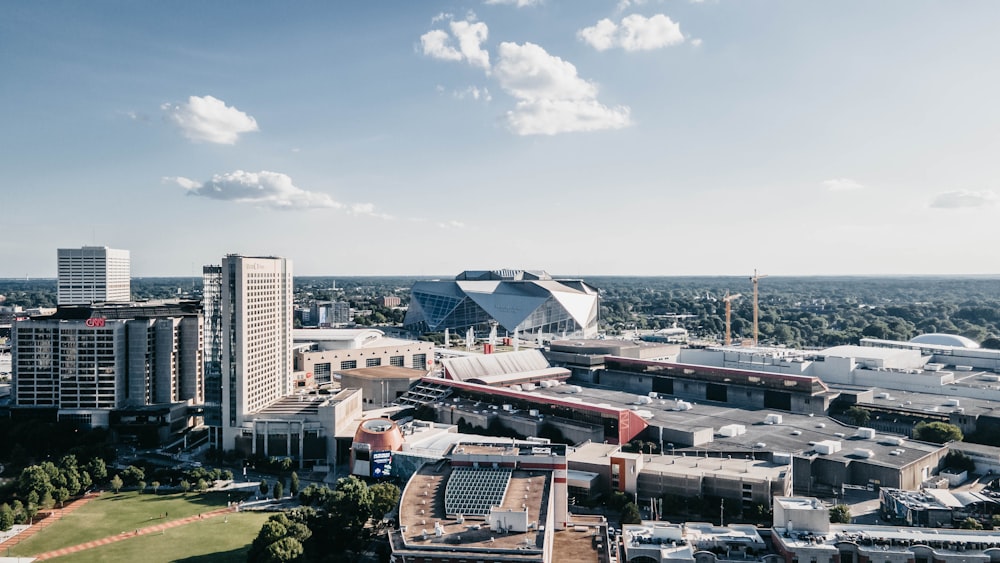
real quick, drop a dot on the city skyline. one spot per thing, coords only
(668, 138)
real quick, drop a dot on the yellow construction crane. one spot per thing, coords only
(755, 279)
(729, 311)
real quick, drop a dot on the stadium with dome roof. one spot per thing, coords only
(529, 302)
(940, 339)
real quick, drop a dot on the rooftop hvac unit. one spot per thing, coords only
(533, 412)
(682, 406)
(507, 407)
(892, 440)
(866, 433)
(864, 453)
(731, 430)
(952, 403)
(828, 447)
(643, 400)
(773, 419)
(885, 396)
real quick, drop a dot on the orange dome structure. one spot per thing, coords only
(374, 442)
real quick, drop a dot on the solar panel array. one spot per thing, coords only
(473, 491)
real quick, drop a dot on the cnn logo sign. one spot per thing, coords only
(96, 322)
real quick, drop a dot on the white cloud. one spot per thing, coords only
(518, 3)
(552, 98)
(626, 4)
(209, 119)
(551, 117)
(269, 189)
(600, 36)
(435, 45)
(964, 198)
(842, 185)
(443, 16)
(453, 224)
(470, 39)
(469, 35)
(367, 209)
(474, 93)
(696, 42)
(635, 33)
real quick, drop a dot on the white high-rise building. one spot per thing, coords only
(94, 274)
(257, 339)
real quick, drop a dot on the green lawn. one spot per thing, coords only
(209, 541)
(112, 514)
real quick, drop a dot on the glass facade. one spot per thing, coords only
(536, 307)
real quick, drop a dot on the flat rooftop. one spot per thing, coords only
(423, 506)
(383, 372)
(794, 435)
(940, 403)
(962, 545)
(301, 405)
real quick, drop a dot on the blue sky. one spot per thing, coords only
(580, 137)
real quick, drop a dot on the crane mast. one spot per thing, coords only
(755, 279)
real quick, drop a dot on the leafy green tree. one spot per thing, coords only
(61, 495)
(141, 486)
(617, 500)
(959, 461)
(279, 489)
(98, 469)
(937, 432)
(992, 343)
(385, 497)
(201, 485)
(132, 475)
(970, 523)
(31, 510)
(185, 486)
(117, 483)
(20, 516)
(859, 416)
(350, 506)
(283, 551)
(6, 517)
(293, 485)
(281, 538)
(155, 485)
(630, 514)
(85, 481)
(840, 514)
(227, 475)
(264, 487)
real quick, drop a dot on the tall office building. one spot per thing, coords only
(257, 339)
(94, 274)
(212, 307)
(86, 361)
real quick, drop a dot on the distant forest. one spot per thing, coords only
(794, 311)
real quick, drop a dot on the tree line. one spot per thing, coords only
(331, 525)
